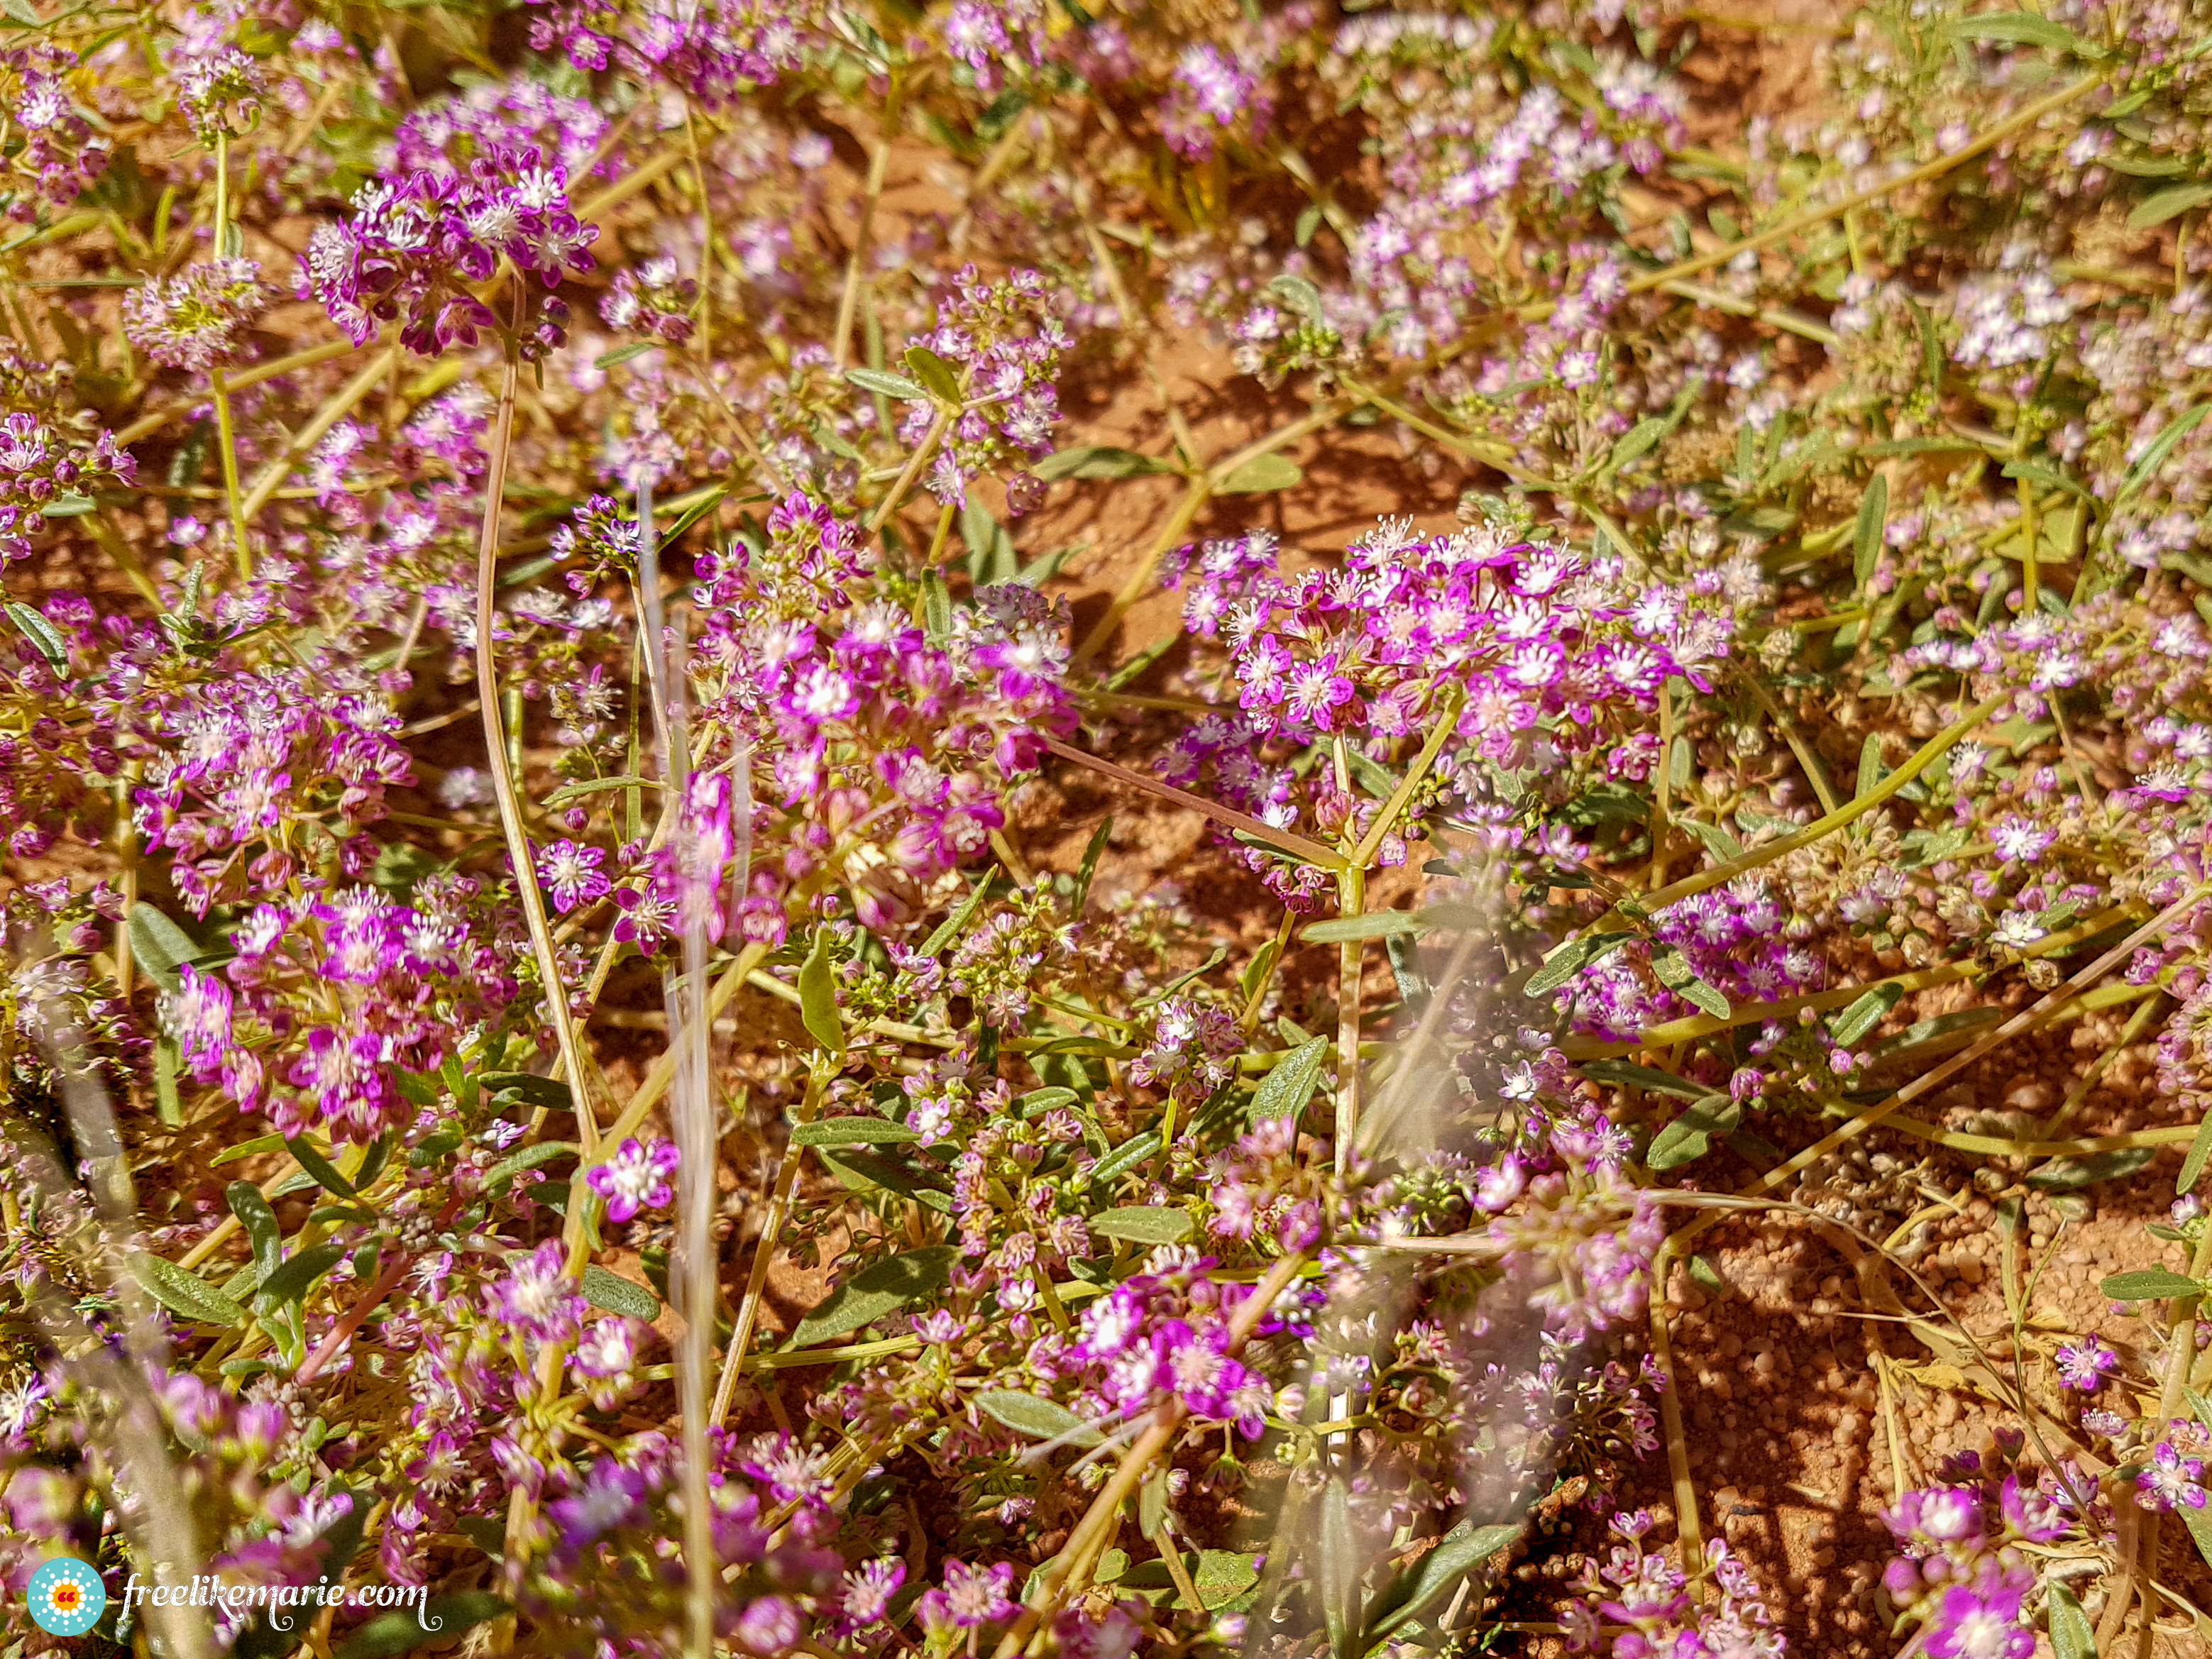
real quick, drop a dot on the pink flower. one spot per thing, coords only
(636, 1178)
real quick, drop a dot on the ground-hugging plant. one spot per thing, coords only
(558, 1053)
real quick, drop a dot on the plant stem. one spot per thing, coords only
(226, 431)
(1849, 812)
(1686, 1528)
(1312, 851)
(848, 303)
(779, 1206)
(502, 779)
(907, 474)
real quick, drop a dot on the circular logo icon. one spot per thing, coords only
(67, 1597)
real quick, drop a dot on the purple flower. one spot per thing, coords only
(969, 1597)
(2172, 1480)
(1933, 1516)
(1980, 1622)
(537, 1297)
(2086, 1365)
(770, 1626)
(571, 874)
(866, 1597)
(637, 1177)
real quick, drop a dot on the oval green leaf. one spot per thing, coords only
(1259, 474)
(2148, 1285)
(1139, 1224)
(873, 1292)
(852, 1132)
(184, 1292)
(1036, 1417)
(608, 1290)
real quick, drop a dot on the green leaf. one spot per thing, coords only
(954, 925)
(2199, 1522)
(548, 1092)
(1690, 1136)
(292, 1280)
(1372, 924)
(623, 354)
(43, 635)
(2071, 1635)
(160, 946)
(2019, 29)
(1871, 771)
(1036, 1417)
(441, 1620)
(1720, 844)
(1638, 440)
(817, 996)
(1873, 519)
(528, 1159)
(1340, 1570)
(852, 1132)
(2147, 1285)
(936, 606)
(1707, 1277)
(1630, 1075)
(2199, 1149)
(2154, 457)
(936, 374)
(1152, 1505)
(608, 1290)
(1139, 1223)
(2064, 1175)
(1125, 1158)
(1299, 293)
(68, 506)
(259, 1221)
(1571, 959)
(184, 1292)
(859, 1167)
(1285, 1090)
(873, 1292)
(1088, 869)
(1223, 1578)
(253, 1148)
(1863, 1015)
(168, 1063)
(1038, 1101)
(2161, 205)
(891, 385)
(1260, 474)
(1420, 1586)
(567, 792)
(1675, 973)
(1097, 461)
(325, 1172)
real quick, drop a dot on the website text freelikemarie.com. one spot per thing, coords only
(203, 1591)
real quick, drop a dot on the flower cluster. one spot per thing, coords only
(1645, 1591)
(1004, 343)
(1962, 1576)
(42, 465)
(414, 248)
(878, 736)
(192, 320)
(1534, 652)
(253, 776)
(395, 983)
(1164, 1333)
